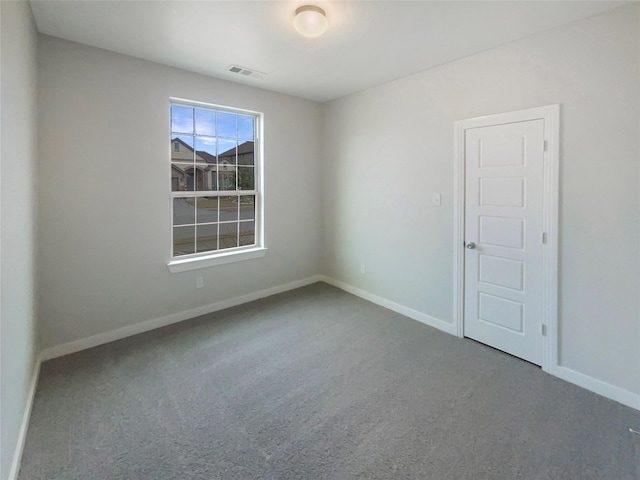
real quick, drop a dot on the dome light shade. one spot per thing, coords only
(310, 21)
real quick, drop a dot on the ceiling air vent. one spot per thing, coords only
(246, 72)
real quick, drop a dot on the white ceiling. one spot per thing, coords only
(367, 42)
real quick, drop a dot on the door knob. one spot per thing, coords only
(470, 245)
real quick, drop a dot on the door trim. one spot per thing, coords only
(551, 116)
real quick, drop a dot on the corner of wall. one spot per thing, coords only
(20, 365)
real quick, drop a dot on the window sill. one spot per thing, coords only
(188, 264)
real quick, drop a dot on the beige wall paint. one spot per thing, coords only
(17, 221)
(105, 180)
(389, 148)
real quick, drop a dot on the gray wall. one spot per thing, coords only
(104, 184)
(17, 213)
(389, 148)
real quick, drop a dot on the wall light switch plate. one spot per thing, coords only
(437, 199)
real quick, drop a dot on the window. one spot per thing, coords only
(215, 194)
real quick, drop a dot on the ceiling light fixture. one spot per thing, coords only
(310, 21)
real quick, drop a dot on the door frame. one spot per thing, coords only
(551, 186)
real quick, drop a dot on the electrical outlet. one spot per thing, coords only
(199, 282)
(363, 269)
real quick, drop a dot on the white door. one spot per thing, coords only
(503, 264)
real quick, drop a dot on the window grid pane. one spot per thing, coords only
(184, 211)
(182, 119)
(206, 238)
(183, 240)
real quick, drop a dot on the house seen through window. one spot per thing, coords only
(214, 184)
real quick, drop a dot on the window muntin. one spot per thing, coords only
(214, 185)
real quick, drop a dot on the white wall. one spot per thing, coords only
(389, 148)
(104, 179)
(17, 221)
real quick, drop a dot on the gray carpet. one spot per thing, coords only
(317, 384)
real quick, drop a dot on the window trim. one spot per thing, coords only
(212, 258)
(222, 257)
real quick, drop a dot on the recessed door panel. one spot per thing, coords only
(501, 312)
(502, 150)
(502, 272)
(502, 192)
(502, 232)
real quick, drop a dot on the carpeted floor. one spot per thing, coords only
(317, 384)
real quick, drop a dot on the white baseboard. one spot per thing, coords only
(605, 389)
(24, 426)
(129, 330)
(396, 307)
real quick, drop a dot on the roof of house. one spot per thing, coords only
(243, 148)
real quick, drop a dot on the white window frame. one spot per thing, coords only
(195, 261)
